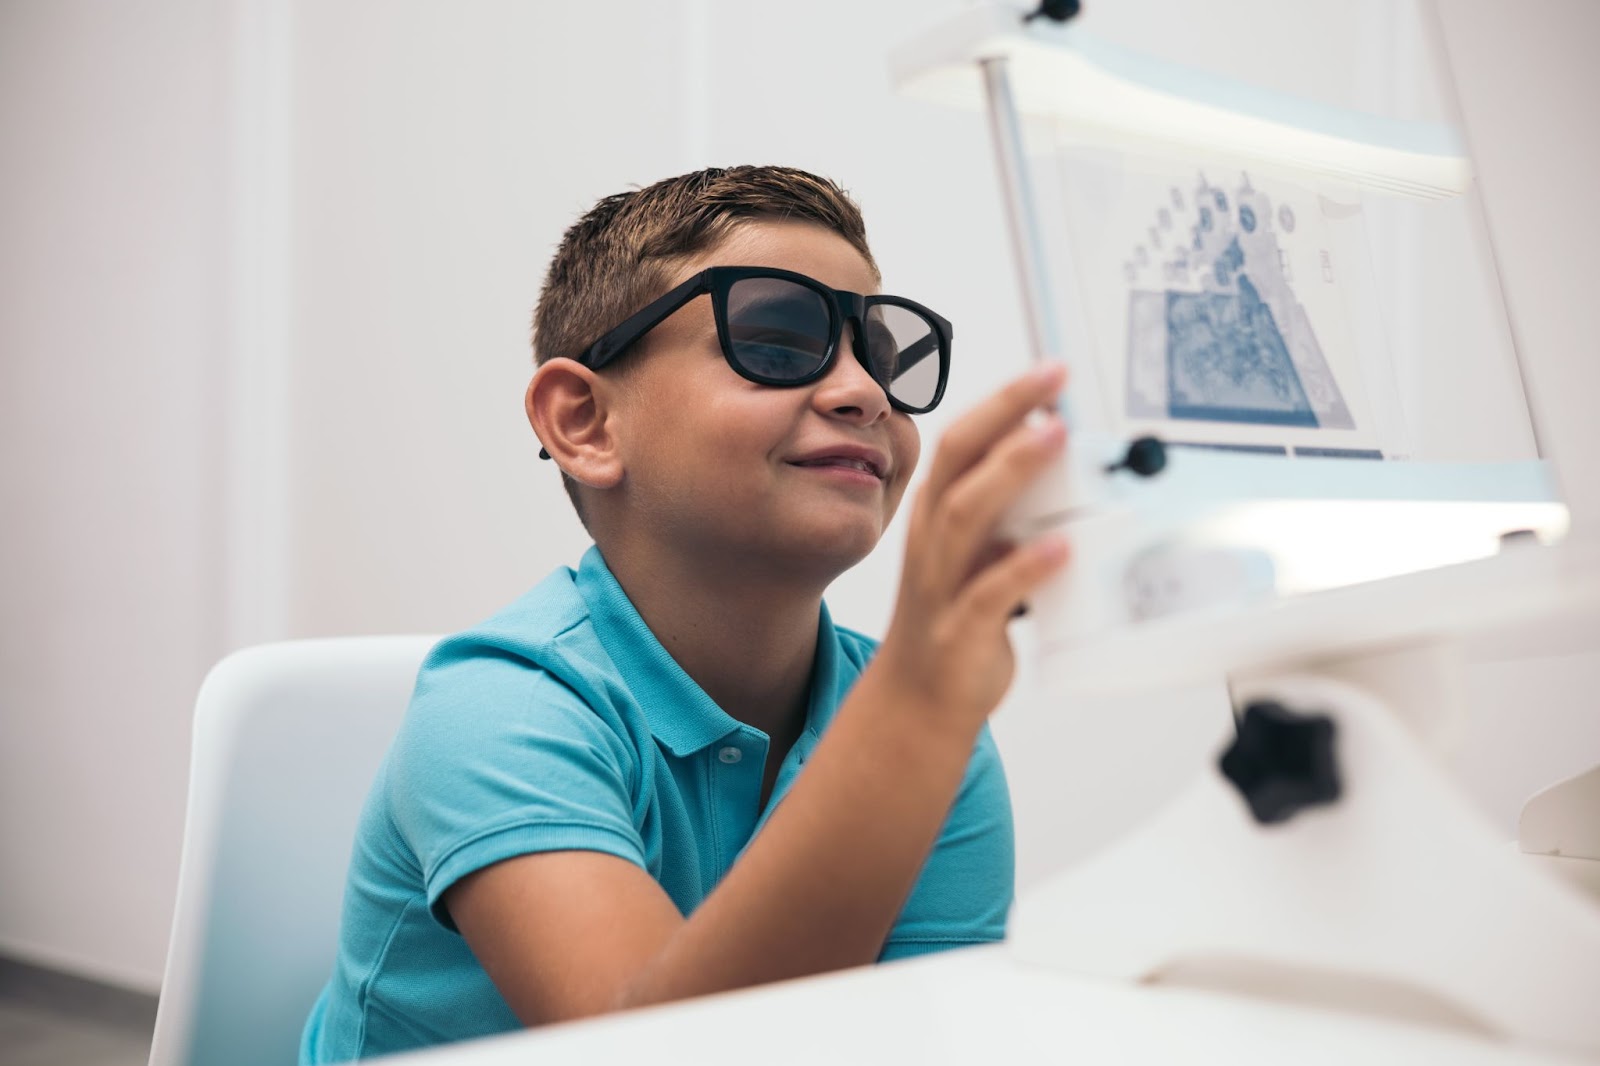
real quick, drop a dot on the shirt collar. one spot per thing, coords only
(681, 716)
(829, 681)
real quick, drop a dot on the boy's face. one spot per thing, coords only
(751, 474)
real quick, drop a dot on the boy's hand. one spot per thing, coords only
(947, 643)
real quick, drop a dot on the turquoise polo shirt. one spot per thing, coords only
(560, 724)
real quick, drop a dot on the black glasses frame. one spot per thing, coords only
(843, 306)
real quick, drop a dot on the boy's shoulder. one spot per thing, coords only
(545, 635)
(527, 626)
(541, 658)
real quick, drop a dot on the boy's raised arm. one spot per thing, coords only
(571, 933)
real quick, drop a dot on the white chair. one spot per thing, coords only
(287, 738)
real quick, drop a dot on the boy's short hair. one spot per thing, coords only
(620, 255)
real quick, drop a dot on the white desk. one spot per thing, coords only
(978, 1006)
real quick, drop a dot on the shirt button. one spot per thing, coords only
(730, 755)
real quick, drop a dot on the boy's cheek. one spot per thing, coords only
(910, 453)
(897, 491)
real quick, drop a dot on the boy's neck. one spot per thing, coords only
(749, 640)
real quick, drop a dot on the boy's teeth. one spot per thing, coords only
(852, 464)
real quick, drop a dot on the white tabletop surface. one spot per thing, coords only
(978, 1006)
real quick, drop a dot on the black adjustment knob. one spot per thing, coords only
(1146, 456)
(1282, 762)
(1055, 10)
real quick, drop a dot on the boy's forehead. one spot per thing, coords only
(804, 247)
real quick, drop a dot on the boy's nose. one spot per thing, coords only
(847, 390)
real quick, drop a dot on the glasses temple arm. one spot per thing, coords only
(647, 318)
(636, 325)
(917, 352)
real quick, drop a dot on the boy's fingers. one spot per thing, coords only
(971, 508)
(993, 596)
(976, 432)
(987, 556)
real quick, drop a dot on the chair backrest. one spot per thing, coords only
(287, 738)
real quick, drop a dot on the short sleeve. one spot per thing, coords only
(964, 893)
(497, 758)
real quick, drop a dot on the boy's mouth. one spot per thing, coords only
(849, 458)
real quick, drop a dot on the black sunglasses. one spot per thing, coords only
(780, 328)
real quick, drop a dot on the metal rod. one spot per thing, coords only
(1026, 240)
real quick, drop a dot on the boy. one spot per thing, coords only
(581, 812)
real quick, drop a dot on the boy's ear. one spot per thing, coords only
(567, 406)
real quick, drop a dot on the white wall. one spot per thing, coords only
(112, 136)
(426, 158)
(435, 168)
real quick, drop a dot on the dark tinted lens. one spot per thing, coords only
(779, 330)
(905, 353)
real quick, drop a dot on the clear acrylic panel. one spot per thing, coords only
(1227, 304)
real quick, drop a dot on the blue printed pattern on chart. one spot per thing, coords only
(1225, 339)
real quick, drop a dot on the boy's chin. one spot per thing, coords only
(809, 545)
(809, 554)
(827, 553)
